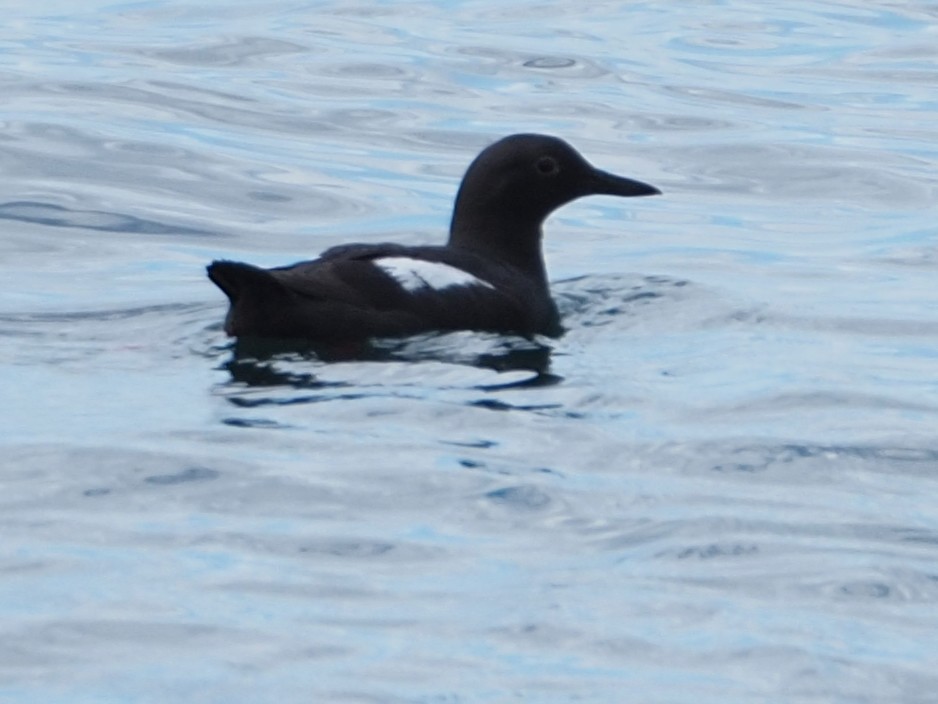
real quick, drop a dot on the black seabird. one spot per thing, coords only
(490, 275)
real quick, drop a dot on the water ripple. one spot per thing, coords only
(59, 216)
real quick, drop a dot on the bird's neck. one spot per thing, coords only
(498, 232)
(512, 243)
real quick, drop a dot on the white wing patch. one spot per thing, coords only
(416, 274)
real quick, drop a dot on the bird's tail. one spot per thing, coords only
(235, 278)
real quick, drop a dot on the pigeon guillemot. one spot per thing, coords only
(489, 276)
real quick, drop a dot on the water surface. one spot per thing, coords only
(716, 487)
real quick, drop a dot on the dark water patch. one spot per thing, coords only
(716, 550)
(540, 380)
(261, 402)
(627, 304)
(524, 497)
(252, 373)
(366, 71)
(350, 548)
(476, 444)
(914, 256)
(498, 467)
(535, 358)
(101, 491)
(254, 423)
(53, 215)
(549, 62)
(493, 404)
(865, 590)
(916, 535)
(190, 474)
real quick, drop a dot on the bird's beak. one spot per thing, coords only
(605, 183)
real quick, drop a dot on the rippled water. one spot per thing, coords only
(718, 486)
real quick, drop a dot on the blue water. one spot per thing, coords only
(718, 486)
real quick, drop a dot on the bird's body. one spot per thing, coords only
(383, 290)
(490, 276)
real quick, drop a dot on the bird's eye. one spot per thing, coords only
(547, 166)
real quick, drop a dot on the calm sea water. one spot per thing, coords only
(719, 486)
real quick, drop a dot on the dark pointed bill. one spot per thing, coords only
(605, 183)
